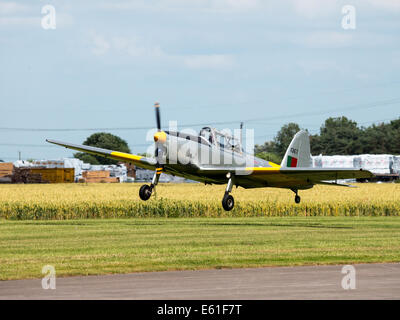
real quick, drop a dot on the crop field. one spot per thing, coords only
(104, 228)
(77, 201)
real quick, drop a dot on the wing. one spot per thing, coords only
(316, 175)
(143, 162)
(299, 177)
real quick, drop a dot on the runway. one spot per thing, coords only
(373, 281)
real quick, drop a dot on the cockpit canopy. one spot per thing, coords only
(220, 139)
(212, 137)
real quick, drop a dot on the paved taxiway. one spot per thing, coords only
(373, 281)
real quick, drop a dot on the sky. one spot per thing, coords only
(218, 62)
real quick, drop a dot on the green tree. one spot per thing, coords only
(395, 134)
(382, 138)
(106, 141)
(269, 156)
(284, 137)
(315, 144)
(86, 158)
(268, 146)
(339, 136)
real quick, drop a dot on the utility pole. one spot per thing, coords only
(19, 155)
(241, 132)
(241, 136)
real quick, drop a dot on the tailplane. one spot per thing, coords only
(298, 154)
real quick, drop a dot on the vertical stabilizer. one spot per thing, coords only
(298, 154)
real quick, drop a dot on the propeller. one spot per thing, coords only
(160, 137)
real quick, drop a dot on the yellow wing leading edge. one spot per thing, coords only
(143, 162)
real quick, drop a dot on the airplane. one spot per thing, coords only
(214, 157)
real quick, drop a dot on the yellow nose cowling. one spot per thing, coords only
(160, 137)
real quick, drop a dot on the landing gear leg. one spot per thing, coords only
(297, 198)
(145, 190)
(156, 177)
(227, 200)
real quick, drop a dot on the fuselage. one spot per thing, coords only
(195, 158)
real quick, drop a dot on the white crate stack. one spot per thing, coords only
(333, 161)
(376, 163)
(396, 164)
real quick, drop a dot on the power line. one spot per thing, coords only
(310, 129)
(26, 145)
(50, 146)
(265, 119)
(352, 108)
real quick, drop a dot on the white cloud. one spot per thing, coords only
(386, 4)
(326, 39)
(20, 21)
(8, 8)
(212, 61)
(137, 49)
(175, 5)
(12, 14)
(313, 8)
(101, 45)
(343, 39)
(129, 46)
(314, 66)
(318, 8)
(235, 4)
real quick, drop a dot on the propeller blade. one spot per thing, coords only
(158, 120)
(159, 138)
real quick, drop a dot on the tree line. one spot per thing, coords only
(337, 136)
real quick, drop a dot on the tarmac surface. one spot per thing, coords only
(372, 281)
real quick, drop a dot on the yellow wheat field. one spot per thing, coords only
(72, 201)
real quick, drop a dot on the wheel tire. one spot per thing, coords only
(145, 192)
(228, 202)
(297, 199)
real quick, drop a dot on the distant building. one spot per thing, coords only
(118, 172)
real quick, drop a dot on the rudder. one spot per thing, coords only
(298, 153)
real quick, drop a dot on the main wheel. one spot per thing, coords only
(228, 202)
(145, 192)
(297, 199)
